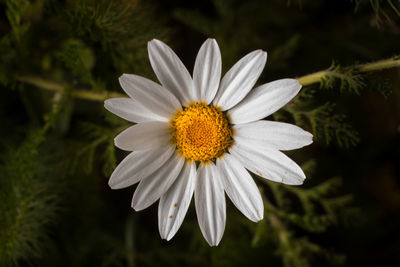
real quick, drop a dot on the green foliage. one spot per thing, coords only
(379, 84)
(96, 137)
(319, 210)
(30, 194)
(104, 21)
(28, 202)
(386, 11)
(121, 28)
(233, 33)
(79, 60)
(328, 126)
(15, 11)
(347, 78)
(11, 42)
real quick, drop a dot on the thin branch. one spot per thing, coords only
(304, 80)
(79, 93)
(317, 77)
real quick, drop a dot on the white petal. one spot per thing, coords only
(175, 202)
(241, 188)
(154, 186)
(272, 134)
(264, 100)
(143, 136)
(150, 94)
(210, 203)
(268, 163)
(170, 71)
(239, 80)
(138, 165)
(131, 110)
(207, 71)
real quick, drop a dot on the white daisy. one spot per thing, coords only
(199, 135)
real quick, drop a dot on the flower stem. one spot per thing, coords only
(79, 93)
(368, 67)
(101, 96)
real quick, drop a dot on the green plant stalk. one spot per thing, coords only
(79, 93)
(304, 80)
(317, 77)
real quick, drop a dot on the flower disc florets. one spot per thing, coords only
(201, 132)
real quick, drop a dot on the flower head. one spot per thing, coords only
(199, 135)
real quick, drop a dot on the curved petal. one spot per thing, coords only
(207, 71)
(264, 100)
(210, 203)
(150, 94)
(138, 165)
(153, 187)
(170, 71)
(131, 110)
(241, 188)
(143, 136)
(272, 134)
(269, 163)
(240, 79)
(175, 202)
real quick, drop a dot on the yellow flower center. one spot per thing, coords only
(201, 132)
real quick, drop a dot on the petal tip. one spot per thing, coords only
(169, 237)
(265, 53)
(123, 76)
(256, 217)
(135, 207)
(115, 183)
(298, 84)
(166, 234)
(112, 184)
(308, 138)
(260, 214)
(152, 41)
(261, 53)
(311, 140)
(162, 235)
(212, 40)
(106, 103)
(116, 141)
(214, 243)
(300, 181)
(259, 218)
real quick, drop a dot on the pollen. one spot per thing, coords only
(201, 132)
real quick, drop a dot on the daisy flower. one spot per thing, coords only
(201, 136)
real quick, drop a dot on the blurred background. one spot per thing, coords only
(59, 60)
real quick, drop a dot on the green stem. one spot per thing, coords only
(313, 77)
(379, 65)
(368, 67)
(304, 80)
(79, 93)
